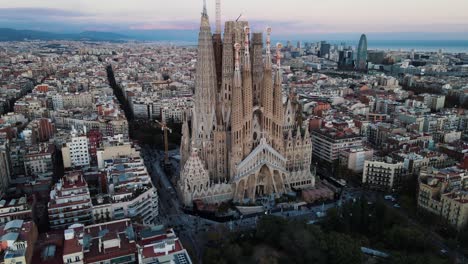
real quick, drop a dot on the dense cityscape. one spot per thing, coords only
(233, 150)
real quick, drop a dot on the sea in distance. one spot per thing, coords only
(450, 46)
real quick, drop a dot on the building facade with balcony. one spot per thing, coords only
(76, 151)
(444, 192)
(383, 176)
(130, 189)
(158, 245)
(14, 209)
(328, 143)
(17, 241)
(70, 202)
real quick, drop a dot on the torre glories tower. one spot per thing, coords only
(361, 62)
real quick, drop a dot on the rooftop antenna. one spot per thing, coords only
(239, 17)
(218, 16)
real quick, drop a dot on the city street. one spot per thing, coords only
(190, 228)
(170, 213)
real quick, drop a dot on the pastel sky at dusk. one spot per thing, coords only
(286, 17)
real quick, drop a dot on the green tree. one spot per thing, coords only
(232, 253)
(335, 222)
(406, 238)
(463, 237)
(302, 246)
(269, 230)
(343, 249)
(213, 256)
(399, 258)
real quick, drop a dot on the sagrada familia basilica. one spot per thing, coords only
(245, 141)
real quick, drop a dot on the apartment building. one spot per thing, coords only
(131, 190)
(70, 202)
(160, 245)
(383, 176)
(444, 192)
(17, 241)
(110, 242)
(13, 209)
(354, 158)
(328, 143)
(75, 153)
(5, 166)
(39, 159)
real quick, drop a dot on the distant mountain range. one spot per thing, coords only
(405, 41)
(8, 34)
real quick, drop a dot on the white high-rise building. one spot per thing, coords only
(76, 151)
(57, 101)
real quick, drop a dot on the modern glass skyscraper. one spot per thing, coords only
(361, 62)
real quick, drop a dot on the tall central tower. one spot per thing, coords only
(205, 93)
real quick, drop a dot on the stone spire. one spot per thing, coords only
(218, 47)
(257, 67)
(194, 177)
(185, 142)
(277, 94)
(247, 99)
(268, 49)
(278, 99)
(205, 84)
(227, 74)
(247, 66)
(204, 9)
(237, 113)
(267, 96)
(237, 73)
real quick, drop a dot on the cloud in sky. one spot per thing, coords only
(32, 12)
(286, 17)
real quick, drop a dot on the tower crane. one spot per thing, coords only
(165, 129)
(218, 16)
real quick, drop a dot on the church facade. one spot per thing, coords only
(245, 141)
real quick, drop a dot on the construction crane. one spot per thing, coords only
(218, 16)
(165, 128)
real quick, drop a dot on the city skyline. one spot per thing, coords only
(150, 133)
(332, 19)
